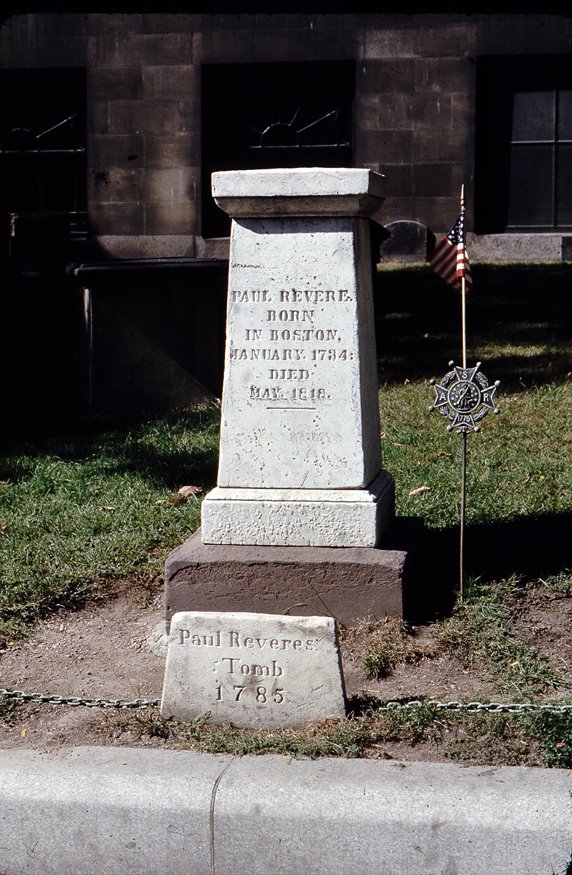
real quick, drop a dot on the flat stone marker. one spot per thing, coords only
(253, 670)
(300, 450)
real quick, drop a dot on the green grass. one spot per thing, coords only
(517, 466)
(78, 512)
(557, 584)
(478, 633)
(532, 739)
(352, 737)
(518, 325)
(389, 644)
(479, 628)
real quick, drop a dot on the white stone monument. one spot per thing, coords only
(296, 522)
(300, 451)
(252, 669)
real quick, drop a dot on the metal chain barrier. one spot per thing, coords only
(479, 707)
(468, 707)
(20, 696)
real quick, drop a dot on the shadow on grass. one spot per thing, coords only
(528, 547)
(518, 323)
(122, 446)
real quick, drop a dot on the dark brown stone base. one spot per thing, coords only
(348, 583)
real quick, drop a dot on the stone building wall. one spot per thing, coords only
(414, 108)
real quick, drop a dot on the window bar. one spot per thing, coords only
(555, 163)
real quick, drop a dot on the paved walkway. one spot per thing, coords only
(123, 810)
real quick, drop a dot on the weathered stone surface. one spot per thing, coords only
(114, 218)
(299, 347)
(172, 218)
(147, 246)
(342, 817)
(394, 76)
(179, 151)
(393, 146)
(406, 75)
(515, 247)
(106, 811)
(432, 179)
(299, 517)
(253, 669)
(153, 117)
(309, 191)
(407, 243)
(119, 150)
(300, 410)
(349, 583)
(113, 83)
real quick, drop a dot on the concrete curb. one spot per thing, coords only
(123, 810)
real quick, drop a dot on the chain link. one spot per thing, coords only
(394, 705)
(74, 701)
(478, 707)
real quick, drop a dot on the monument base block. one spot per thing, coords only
(299, 517)
(347, 583)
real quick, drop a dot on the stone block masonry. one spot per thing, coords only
(349, 583)
(415, 86)
(111, 810)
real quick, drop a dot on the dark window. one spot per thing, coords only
(273, 115)
(524, 144)
(42, 146)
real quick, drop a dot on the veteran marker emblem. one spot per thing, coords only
(464, 396)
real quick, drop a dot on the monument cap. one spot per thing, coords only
(309, 191)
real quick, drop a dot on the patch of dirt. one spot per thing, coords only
(433, 676)
(103, 651)
(543, 621)
(115, 650)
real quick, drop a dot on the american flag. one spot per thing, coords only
(450, 259)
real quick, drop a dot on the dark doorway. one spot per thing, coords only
(43, 152)
(273, 115)
(42, 216)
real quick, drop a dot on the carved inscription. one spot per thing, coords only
(263, 695)
(239, 673)
(294, 346)
(234, 638)
(252, 669)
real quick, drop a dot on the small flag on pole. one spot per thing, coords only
(450, 259)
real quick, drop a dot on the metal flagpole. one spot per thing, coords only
(462, 521)
(464, 447)
(463, 287)
(464, 395)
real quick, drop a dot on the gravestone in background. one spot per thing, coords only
(296, 523)
(406, 242)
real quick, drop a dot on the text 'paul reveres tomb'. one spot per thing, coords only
(253, 669)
